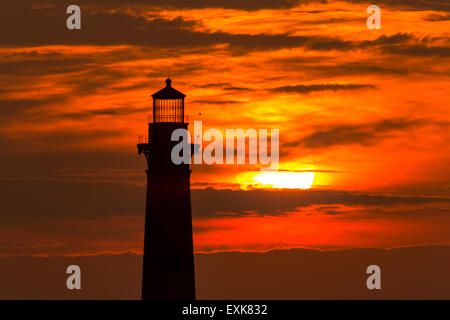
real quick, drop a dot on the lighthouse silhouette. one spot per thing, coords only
(168, 269)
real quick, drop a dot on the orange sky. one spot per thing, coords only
(365, 110)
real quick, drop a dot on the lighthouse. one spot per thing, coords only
(168, 268)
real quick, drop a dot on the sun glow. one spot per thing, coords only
(289, 180)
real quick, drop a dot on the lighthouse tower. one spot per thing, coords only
(168, 270)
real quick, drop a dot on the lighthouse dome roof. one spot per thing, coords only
(168, 92)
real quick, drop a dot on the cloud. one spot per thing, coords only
(137, 30)
(308, 88)
(418, 50)
(70, 165)
(86, 114)
(125, 28)
(40, 108)
(248, 5)
(207, 203)
(354, 68)
(38, 141)
(408, 44)
(437, 17)
(214, 85)
(251, 5)
(45, 276)
(63, 197)
(225, 86)
(41, 62)
(437, 5)
(26, 63)
(312, 274)
(92, 80)
(15, 110)
(288, 274)
(363, 134)
(324, 67)
(216, 101)
(388, 40)
(233, 88)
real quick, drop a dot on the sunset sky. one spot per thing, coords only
(364, 113)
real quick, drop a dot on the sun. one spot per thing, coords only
(286, 180)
